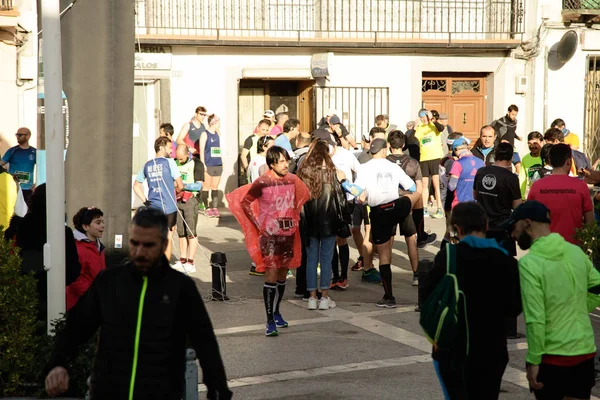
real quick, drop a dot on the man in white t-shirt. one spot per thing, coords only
(380, 179)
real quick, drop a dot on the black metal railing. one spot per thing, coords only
(6, 5)
(581, 5)
(368, 20)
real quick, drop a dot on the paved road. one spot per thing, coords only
(355, 351)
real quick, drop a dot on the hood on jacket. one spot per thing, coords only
(551, 247)
(482, 243)
(81, 237)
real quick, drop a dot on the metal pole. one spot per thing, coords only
(54, 249)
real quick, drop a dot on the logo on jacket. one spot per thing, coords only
(489, 182)
(165, 300)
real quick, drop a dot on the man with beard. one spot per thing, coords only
(21, 161)
(145, 311)
(506, 127)
(559, 287)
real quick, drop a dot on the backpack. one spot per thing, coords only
(440, 312)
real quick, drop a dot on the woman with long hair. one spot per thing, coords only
(321, 219)
(210, 155)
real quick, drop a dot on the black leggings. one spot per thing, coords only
(481, 382)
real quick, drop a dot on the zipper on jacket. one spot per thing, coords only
(137, 337)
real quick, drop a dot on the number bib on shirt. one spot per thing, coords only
(22, 177)
(215, 152)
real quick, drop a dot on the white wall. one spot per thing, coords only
(18, 105)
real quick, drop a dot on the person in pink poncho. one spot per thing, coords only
(268, 211)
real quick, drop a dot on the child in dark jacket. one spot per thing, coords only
(89, 228)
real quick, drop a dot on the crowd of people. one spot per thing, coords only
(306, 195)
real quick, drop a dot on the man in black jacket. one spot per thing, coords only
(489, 278)
(145, 310)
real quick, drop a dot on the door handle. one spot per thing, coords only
(464, 118)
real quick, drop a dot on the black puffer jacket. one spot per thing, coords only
(172, 309)
(321, 215)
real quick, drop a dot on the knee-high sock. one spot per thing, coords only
(334, 266)
(418, 219)
(344, 260)
(269, 293)
(205, 198)
(214, 198)
(386, 278)
(280, 291)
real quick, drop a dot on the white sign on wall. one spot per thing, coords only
(153, 58)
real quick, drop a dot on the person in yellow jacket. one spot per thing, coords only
(8, 197)
(559, 288)
(428, 133)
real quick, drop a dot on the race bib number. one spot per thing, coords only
(184, 176)
(426, 140)
(22, 177)
(215, 152)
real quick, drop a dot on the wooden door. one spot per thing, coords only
(461, 96)
(305, 105)
(251, 105)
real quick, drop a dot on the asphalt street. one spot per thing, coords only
(355, 351)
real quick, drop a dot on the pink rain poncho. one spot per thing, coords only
(268, 211)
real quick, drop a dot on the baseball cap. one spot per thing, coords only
(334, 120)
(377, 145)
(459, 142)
(331, 112)
(423, 113)
(324, 135)
(531, 209)
(269, 113)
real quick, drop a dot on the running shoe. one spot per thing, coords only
(387, 303)
(271, 329)
(178, 266)
(312, 303)
(216, 213)
(254, 272)
(430, 238)
(326, 303)
(425, 213)
(358, 265)
(279, 321)
(290, 274)
(438, 214)
(209, 213)
(371, 276)
(415, 281)
(334, 286)
(189, 268)
(342, 284)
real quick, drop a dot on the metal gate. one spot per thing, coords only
(592, 109)
(357, 107)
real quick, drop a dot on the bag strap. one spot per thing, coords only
(450, 258)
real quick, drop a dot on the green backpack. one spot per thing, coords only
(439, 314)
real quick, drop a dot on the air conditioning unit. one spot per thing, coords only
(521, 84)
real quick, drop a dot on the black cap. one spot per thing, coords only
(322, 134)
(377, 145)
(532, 209)
(334, 120)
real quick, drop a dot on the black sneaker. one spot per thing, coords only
(430, 238)
(254, 272)
(387, 303)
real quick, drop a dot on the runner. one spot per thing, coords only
(380, 180)
(280, 120)
(489, 279)
(249, 148)
(211, 157)
(570, 138)
(187, 203)
(559, 287)
(506, 127)
(269, 212)
(164, 180)
(412, 168)
(190, 132)
(463, 172)
(532, 162)
(21, 161)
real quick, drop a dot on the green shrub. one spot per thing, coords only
(589, 241)
(18, 313)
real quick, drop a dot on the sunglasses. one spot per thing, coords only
(20, 134)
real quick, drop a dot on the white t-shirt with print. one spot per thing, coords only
(253, 167)
(345, 161)
(380, 179)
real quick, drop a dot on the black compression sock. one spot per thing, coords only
(386, 278)
(269, 293)
(214, 198)
(280, 290)
(205, 198)
(334, 266)
(418, 219)
(344, 260)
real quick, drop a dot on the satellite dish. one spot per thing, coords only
(566, 47)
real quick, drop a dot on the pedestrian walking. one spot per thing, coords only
(559, 288)
(268, 212)
(211, 157)
(89, 229)
(144, 310)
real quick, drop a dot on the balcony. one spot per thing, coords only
(333, 23)
(586, 11)
(8, 15)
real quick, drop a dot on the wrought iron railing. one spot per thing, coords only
(581, 5)
(306, 20)
(6, 5)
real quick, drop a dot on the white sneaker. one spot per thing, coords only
(189, 268)
(178, 266)
(312, 303)
(326, 303)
